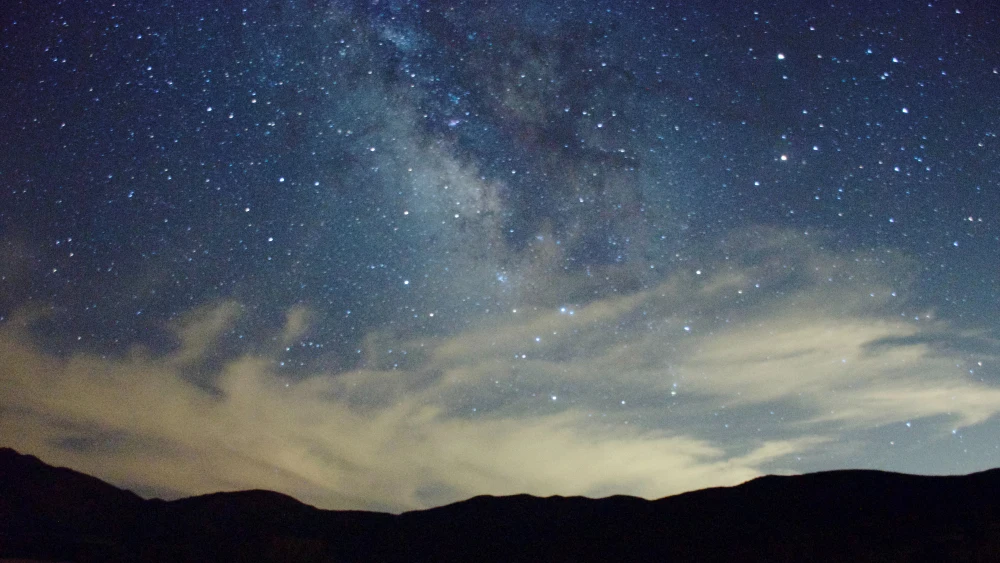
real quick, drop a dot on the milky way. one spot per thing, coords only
(390, 255)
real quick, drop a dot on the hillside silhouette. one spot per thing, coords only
(57, 514)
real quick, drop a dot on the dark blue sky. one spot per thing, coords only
(700, 239)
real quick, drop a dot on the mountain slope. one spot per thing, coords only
(60, 514)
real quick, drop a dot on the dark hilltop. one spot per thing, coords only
(57, 514)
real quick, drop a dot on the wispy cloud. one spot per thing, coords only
(521, 402)
(303, 438)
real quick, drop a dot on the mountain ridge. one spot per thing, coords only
(50, 513)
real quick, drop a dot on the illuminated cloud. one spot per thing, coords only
(200, 328)
(137, 422)
(596, 399)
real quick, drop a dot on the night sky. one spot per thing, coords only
(389, 255)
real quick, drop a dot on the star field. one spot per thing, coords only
(389, 255)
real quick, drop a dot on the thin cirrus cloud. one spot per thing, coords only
(595, 398)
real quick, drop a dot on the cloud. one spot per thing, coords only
(962, 403)
(602, 397)
(777, 319)
(301, 438)
(199, 329)
(296, 324)
(828, 366)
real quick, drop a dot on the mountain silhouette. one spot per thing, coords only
(57, 514)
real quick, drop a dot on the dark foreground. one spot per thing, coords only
(57, 514)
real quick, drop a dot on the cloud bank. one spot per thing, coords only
(620, 394)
